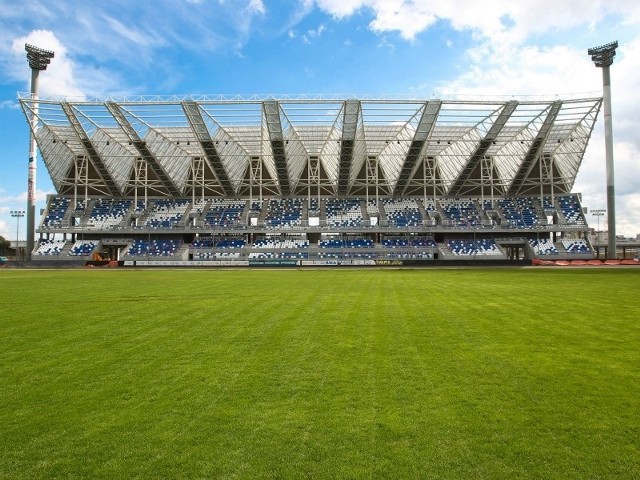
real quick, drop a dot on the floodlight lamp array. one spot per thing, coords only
(603, 55)
(38, 58)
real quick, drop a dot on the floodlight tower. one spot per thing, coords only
(603, 58)
(38, 60)
(598, 214)
(17, 214)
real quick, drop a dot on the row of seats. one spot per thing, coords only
(461, 212)
(279, 255)
(167, 213)
(50, 247)
(108, 213)
(199, 206)
(169, 247)
(344, 212)
(402, 212)
(280, 243)
(543, 247)
(314, 205)
(518, 212)
(346, 242)
(571, 210)
(57, 210)
(468, 247)
(220, 242)
(277, 242)
(83, 248)
(349, 242)
(397, 241)
(153, 248)
(283, 213)
(224, 212)
(576, 246)
(80, 248)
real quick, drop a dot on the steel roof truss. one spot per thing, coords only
(347, 143)
(194, 115)
(276, 139)
(482, 148)
(141, 147)
(91, 151)
(422, 135)
(535, 149)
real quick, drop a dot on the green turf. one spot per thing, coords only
(478, 373)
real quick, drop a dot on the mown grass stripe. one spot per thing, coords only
(505, 373)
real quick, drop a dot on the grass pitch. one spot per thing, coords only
(478, 373)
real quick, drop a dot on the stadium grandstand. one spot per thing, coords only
(296, 180)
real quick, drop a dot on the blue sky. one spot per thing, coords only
(409, 47)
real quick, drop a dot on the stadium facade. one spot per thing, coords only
(215, 180)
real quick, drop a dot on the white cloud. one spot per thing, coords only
(104, 50)
(528, 70)
(132, 36)
(312, 33)
(12, 104)
(343, 8)
(295, 15)
(318, 31)
(384, 43)
(409, 18)
(8, 203)
(502, 20)
(19, 201)
(256, 6)
(5, 230)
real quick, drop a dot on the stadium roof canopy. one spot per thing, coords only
(285, 146)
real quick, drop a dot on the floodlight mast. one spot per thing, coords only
(38, 60)
(603, 58)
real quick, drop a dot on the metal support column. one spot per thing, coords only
(38, 60)
(603, 57)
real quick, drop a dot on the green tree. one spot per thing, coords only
(4, 245)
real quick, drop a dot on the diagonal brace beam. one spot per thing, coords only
(347, 144)
(142, 148)
(482, 148)
(534, 151)
(90, 150)
(420, 139)
(194, 115)
(276, 138)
